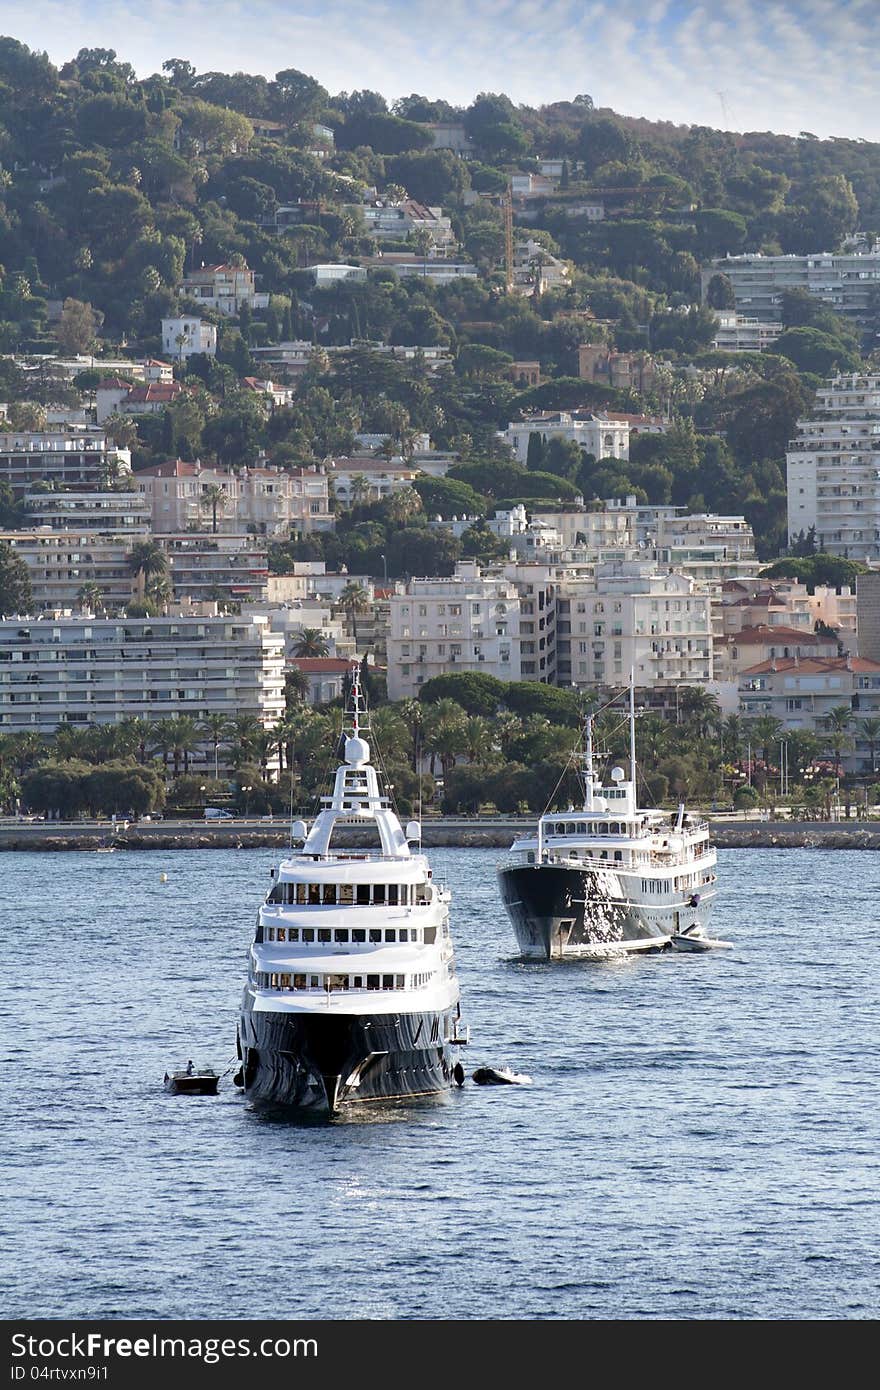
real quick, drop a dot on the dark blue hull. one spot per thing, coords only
(324, 1062)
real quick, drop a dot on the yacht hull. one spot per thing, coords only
(322, 1063)
(561, 912)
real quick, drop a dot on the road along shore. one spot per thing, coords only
(450, 832)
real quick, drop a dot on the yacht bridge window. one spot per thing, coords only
(351, 894)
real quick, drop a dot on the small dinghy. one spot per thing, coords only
(192, 1082)
(499, 1076)
(692, 938)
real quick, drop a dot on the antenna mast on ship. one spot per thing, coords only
(632, 727)
(588, 762)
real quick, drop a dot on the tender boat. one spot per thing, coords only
(352, 994)
(190, 1081)
(499, 1076)
(611, 876)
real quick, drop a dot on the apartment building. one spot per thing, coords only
(632, 615)
(107, 510)
(594, 434)
(272, 501)
(203, 567)
(84, 670)
(85, 459)
(834, 468)
(224, 287)
(801, 693)
(743, 332)
(845, 280)
(399, 220)
(186, 335)
(868, 614)
(626, 371)
(470, 622)
(62, 563)
(368, 479)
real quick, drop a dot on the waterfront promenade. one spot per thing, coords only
(728, 832)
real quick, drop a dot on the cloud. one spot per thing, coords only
(782, 65)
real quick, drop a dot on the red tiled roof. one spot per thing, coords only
(113, 383)
(329, 665)
(171, 468)
(156, 393)
(763, 632)
(154, 362)
(816, 665)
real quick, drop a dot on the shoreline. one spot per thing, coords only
(450, 833)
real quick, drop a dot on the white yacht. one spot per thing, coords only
(611, 876)
(352, 992)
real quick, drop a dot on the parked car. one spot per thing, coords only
(217, 813)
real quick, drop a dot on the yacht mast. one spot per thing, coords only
(632, 728)
(588, 762)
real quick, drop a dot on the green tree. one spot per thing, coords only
(214, 497)
(16, 596)
(310, 642)
(77, 327)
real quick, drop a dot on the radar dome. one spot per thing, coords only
(617, 774)
(299, 830)
(413, 830)
(357, 750)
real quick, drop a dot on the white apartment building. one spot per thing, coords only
(397, 221)
(845, 280)
(186, 335)
(834, 468)
(594, 434)
(744, 333)
(275, 502)
(82, 670)
(633, 616)
(117, 511)
(86, 459)
(368, 479)
(61, 563)
(470, 622)
(801, 693)
(224, 287)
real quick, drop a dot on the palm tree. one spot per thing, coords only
(837, 722)
(264, 745)
(244, 730)
(478, 740)
(296, 688)
(187, 737)
(214, 727)
(699, 708)
(147, 560)
(871, 733)
(445, 733)
(159, 590)
(215, 496)
(402, 506)
(764, 731)
(359, 492)
(354, 599)
(162, 739)
(132, 736)
(412, 712)
(91, 596)
(310, 641)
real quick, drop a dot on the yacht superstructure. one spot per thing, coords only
(352, 992)
(610, 876)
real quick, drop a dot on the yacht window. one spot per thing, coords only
(375, 934)
(430, 935)
(392, 895)
(308, 933)
(530, 857)
(379, 893)
(329, 894)
(300, 893)
(387, 981)
(270, 933)
(358, 934)
(571, 828)
(614, 828)
(299, 981)
(282, 934)
(423, 895)
(323, 933)
(293, 933)
(603, 828)
(340, 934)
(337, 982)
(363, 894)
(273, 981)
(403, 934)
(560, 829)
(289, 892)
(314, 982)
(357, 981)
(276, 895)
(346, 895)
(314, 894)
(400, 982)
(390, 934)
(285, 982)
(372, 982)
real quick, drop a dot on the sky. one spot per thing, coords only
(782, 65)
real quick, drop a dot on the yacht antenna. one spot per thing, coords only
(588, 762)
(632, 727)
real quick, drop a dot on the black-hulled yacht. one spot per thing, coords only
(352, 993)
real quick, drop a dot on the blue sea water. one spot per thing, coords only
(700, 1139)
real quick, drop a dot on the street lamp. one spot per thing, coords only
(384, 567)
(247, 791)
